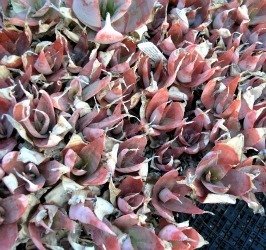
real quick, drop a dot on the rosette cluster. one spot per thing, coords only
(115, 116)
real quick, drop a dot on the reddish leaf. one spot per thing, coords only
(85, 215)
(14, 207)
(8, 236)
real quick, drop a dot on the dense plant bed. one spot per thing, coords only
(119, 120)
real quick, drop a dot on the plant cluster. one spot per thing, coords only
(116, 116)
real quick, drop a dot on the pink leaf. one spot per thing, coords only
(88, 12)
(14, 207)
(42, 65)
(93, 88)
(35, 233)
(159, 98)
(85, 215)
(108, 34)
(8, 236)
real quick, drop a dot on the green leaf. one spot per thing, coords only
(107, 7)
(19, 6)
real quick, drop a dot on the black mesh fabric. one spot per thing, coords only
(232, 226)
